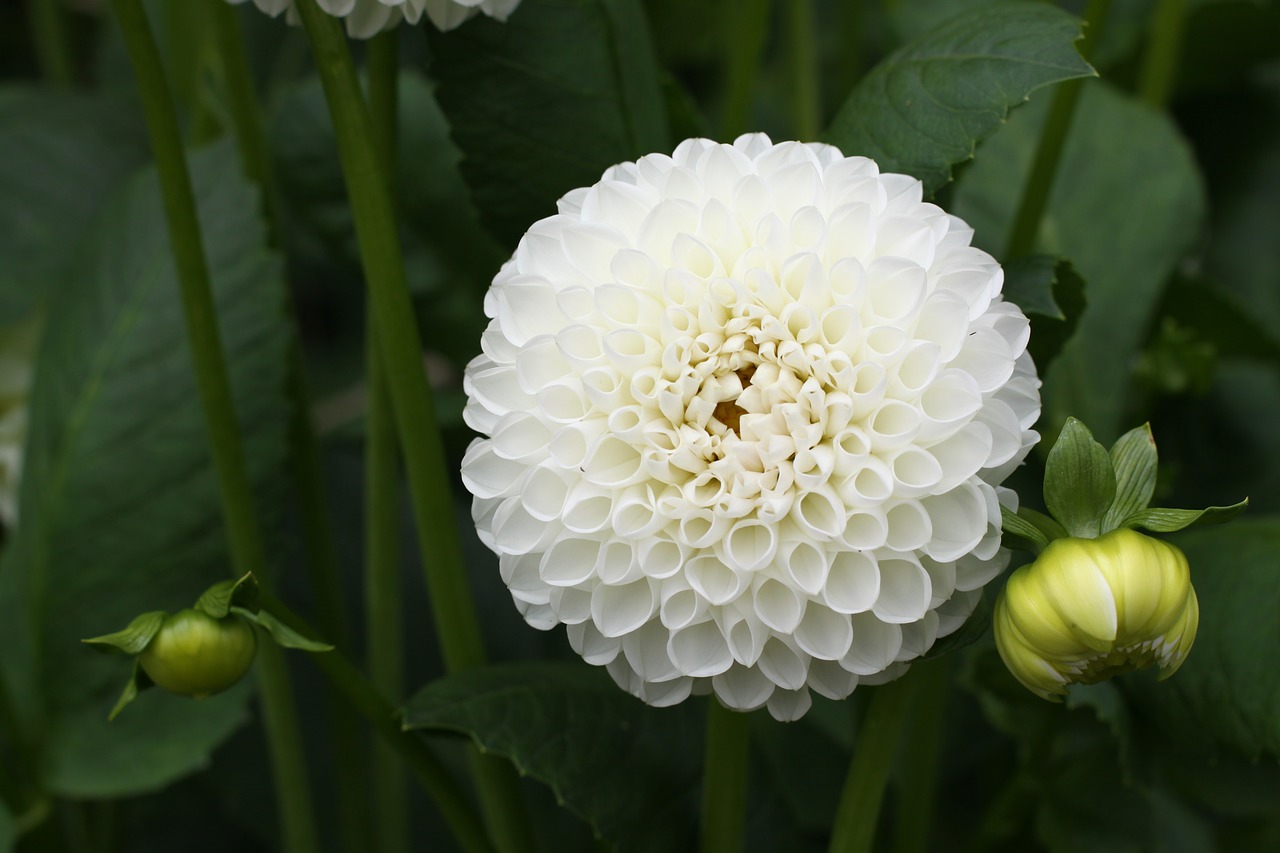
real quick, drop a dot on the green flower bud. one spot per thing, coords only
(194, 654)
(1088, 609)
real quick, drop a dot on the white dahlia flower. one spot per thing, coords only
(367, 18)
(746, 408)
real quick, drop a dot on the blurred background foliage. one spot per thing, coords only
(1165, 205)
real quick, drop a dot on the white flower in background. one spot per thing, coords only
(17, 351)
(747, 406)
(367, 18)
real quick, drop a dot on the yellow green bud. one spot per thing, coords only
(1088, 609)
(194, 654)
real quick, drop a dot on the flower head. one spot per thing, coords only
(745, 408)
(194, 654)
(367, 18)
(1088, 609)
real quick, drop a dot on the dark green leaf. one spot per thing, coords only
(1134, 459)
(1127, 204)
(284, 636)
(1161, 520)
(61, 156)
(926, 107)
(625, 768)
(1050, 293)
(1079, 482)
(218, 599)
(8, 832)
(119, 506)
(547, 101)
(134, 638)
(1227, 693)
(130, 692)
(1220, 319)
(1032, 539)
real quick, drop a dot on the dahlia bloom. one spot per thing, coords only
(367, 18)
(17, 352)
(1088, 609)
(746, 408)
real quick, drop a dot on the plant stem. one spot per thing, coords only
(802, 52)
(918, 777)
(199, 311)
(1053, 138)
(383, 613)
(49, 37)
(284, 743)
(411, 748)
(746, 27)
(1160, 65)
(401, 349)
(873, 752)
(724, 780)
(304, 451)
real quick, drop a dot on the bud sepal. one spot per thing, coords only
(202, 650)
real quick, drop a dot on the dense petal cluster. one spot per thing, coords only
(745, 409)
(17, 351)
(1088, 609)
(367, 18)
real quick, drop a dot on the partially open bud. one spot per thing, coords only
(194, 654)
(1088, 609)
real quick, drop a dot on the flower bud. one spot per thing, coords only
(1088, 609)
(194, 654)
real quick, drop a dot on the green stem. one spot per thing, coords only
(401, 349)
(724, 780)
(802, 53)
(199, 311)
(919, 765)
(383, 615)
(435, 780)
(284, 743)
(1160, 66)
(1053, 138)
(304, 452)
(746, 28)
(873, 752)
(49, 36)
(191, 54)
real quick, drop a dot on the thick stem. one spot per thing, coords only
(746, 25)
(384, 718)
(724, 780)
(304, 451)
(918, 770)
(187, 244)
(401, 349)
(288, 758)
(873, 752)
(1160, 66)
(1053, 138)
(383, 613)
(48, 23)
(802, 56)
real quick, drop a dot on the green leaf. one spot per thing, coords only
(1227, 693)
(1079, 482)
(134, 638)
(1221, 319)
(544, 103)
(926, 107)
(8, 832)
(1046, 525)
(1050, 293)
(625, 768)
(1125, 228)
(217, 600)
(61, 155)
(138, 680)
(284, 636)
(1032, 539)
(1134, 459)
(1160, 520)
(119, 506)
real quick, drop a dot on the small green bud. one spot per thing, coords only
(194, 654)
(1088, 609)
